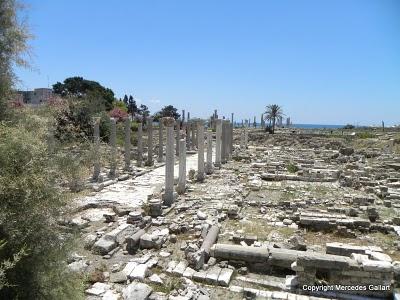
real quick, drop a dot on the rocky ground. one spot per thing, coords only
(294, 209)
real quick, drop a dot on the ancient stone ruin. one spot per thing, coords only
(211, 209)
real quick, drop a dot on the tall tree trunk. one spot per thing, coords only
(273, 125)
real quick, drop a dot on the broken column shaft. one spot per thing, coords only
(139, 159)
(178, 136)
(168, 196)
(200, 153)
(182, 167)
(96, 140)
(160, 142)
(149, 125)
(218, 142)
(210, 239)
(113, 152)
(225, 141)
(209, 165)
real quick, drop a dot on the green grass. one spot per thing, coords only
(292, 168)
(365, 135)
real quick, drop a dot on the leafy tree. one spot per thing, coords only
(167, 111)
(77, 87)
(34, 248)
(118, 114)
(132, 106)
(126, 100)
(121, 105)
(74, 122)
(143, 111)
(272, 113)
(13, 49)
(348, 126)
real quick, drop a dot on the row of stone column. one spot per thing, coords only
(224, 148)
(128, 146)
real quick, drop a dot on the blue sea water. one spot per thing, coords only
(316, 126)
(307, 126)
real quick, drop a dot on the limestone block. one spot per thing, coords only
(136, 291)
(225, 276)
(212, 275)
(180, 268)
(139, 272)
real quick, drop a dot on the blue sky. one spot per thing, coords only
(325, 62)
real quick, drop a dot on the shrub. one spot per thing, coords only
(118, 114)
(291, 168)
(105, 127)
(121, 105)
(348, 126)
(365, 135)
(30, 205)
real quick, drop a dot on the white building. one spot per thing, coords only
(36, 97)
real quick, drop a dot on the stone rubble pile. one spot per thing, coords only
(233, 212)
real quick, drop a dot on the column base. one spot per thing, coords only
(169, 198)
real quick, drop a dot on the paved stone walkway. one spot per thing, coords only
(134, 191)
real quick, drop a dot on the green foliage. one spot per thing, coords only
(272, 113)
(13, 49)
(167, 111)
(75, 121)
(77, 87)
(8, 264)
(143, 111)
(365, 135)
(134, 126)
(121, 105)
(132, 106)
(105, 127)
(72, 165)
(30, 205)
(292, 168)
(348, 126)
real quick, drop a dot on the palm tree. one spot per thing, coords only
(273, 112)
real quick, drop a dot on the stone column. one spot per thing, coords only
(168, 196)
(188, 135)
(96, 140)
(127, 143)
(218, 142)
(232, 118)
(139, 159)
(214, 119)
(113, 140)
(209, 165)
(193, 139)
(262, 121)
(182, 167)
(230, 140)
(188, 118)
(246, 137)
(224, 142)
(178, 136)
(242, 139)
(149, 123)
(160, 142)
(200, 153)
(183, 115)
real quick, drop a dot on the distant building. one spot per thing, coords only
(35, 97)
